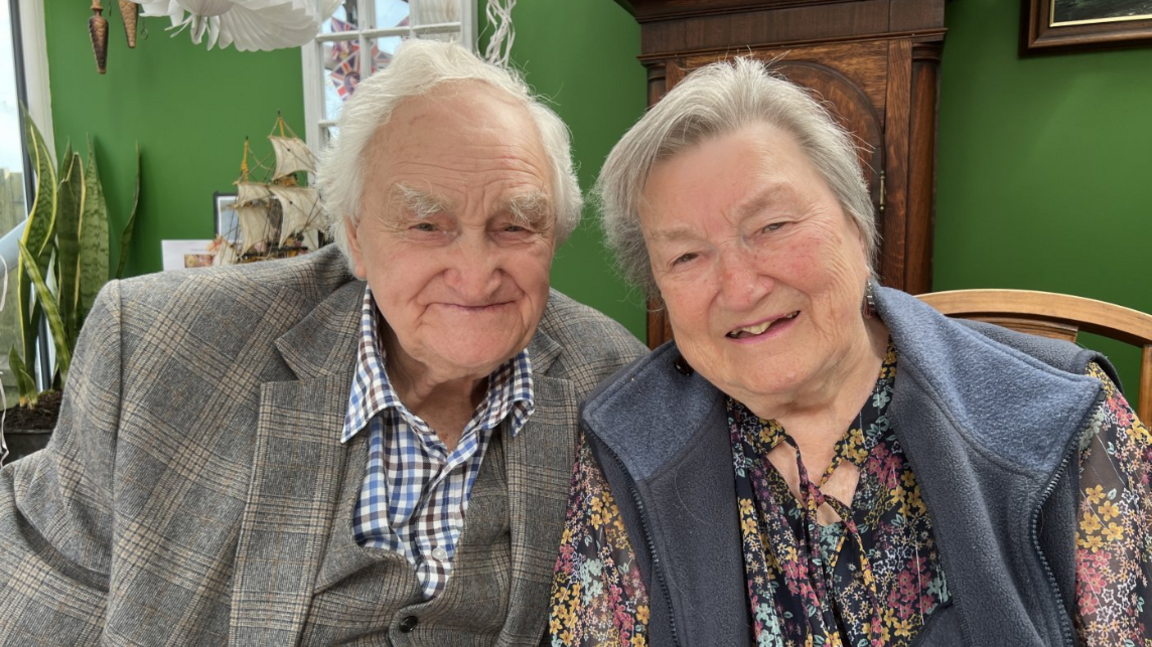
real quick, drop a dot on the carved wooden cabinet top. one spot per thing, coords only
(682, 26)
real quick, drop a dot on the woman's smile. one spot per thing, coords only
(766, 329)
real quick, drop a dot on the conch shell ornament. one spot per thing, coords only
(129, 11)
(98, 29)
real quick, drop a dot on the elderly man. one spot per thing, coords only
(282, 454)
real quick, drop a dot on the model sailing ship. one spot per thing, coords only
(276, 217)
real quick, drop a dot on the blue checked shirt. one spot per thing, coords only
(416, 491)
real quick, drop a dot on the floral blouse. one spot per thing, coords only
(872, 576)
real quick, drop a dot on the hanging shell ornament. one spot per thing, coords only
(129, 11)
(98, 29)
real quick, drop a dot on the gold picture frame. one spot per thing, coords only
(1063, 25)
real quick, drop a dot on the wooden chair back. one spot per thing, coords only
(1059, 316)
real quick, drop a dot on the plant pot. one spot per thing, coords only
(28, 430)
(22, 442)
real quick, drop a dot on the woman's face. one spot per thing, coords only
(761, 270)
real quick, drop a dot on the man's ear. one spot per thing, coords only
(354, 249)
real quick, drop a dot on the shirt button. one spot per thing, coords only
(439, 554)
(408, 624)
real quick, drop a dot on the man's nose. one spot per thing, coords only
(475, 270)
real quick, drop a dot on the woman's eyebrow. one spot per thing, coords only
(759, 202)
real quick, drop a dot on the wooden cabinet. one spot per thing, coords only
(874, 62)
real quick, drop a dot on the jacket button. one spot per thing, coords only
(408, 624)
(682, 365)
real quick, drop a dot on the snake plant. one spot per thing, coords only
(64, 258)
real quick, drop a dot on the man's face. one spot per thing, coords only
(457, 232)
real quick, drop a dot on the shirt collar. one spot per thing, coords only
(510, 391)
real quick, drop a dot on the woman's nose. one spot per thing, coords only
(742, 283)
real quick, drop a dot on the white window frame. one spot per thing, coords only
(32, 36)
(312, 57)
(34, 52)
(34, 63)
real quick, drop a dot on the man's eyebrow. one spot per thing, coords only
(422, 204)
(531, 208)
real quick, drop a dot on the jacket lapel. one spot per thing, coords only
(539, 463)
(298, 468)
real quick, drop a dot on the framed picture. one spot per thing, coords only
(180, 254)
(1061, 25)
(227, 222)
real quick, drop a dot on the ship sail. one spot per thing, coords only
(251, 192)
(225, 255)
(292, 155)
(254, 227)
(311, 237)
(298, 206)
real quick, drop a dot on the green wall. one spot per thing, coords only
(582, 55)
(1044, 177)
(191, 108)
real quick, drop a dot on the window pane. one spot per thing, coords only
(383, 50)
(392, 13)
(344, 19)
(11, 155)
(341, 74)
(12, 209)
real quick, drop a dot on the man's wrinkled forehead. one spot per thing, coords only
(454, 105)
(467, 134)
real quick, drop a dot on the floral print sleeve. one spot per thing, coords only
(1113, 545)
(598, 596)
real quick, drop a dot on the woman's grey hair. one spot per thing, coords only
(418, 67)
(710, 102)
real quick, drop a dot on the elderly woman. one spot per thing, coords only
(816, 460)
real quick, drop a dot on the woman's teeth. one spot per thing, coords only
(758, 329)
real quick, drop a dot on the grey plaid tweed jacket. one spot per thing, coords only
(190, 489)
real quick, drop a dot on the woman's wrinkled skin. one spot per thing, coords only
(763, 275)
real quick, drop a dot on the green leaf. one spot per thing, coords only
(69, 203)
(66, 160)
(61, 173)
(24, 382)
(51, 312)
(126, 237)
(93, 240)
(37, 234)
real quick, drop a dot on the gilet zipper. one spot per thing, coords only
(657, 569)
(1053, 586)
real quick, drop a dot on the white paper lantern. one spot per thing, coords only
(248, 25)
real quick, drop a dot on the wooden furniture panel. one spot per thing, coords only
(865, 63)
(874, 63)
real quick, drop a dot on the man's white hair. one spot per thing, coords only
(418, 67)
(713, 101)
